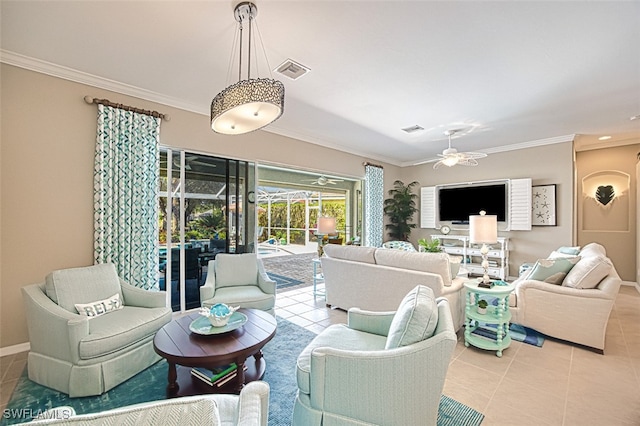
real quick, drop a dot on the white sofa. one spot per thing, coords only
(376, 279)
(577, 307)
(250, 408)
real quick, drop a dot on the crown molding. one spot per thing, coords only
(59, 71)
(55, 70)
(504, 148)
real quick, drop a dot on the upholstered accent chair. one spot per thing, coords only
(382, 368)
(238, 280)
(399, 245)
(89, 330)
(250, 408)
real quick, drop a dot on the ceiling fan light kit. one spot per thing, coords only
(323, 180)
(249, 104)
(451, 157)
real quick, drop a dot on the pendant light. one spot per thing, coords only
(249, 104)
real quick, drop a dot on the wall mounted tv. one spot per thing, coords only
(457, 202)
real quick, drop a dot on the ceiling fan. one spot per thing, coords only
(451, 157)
(323, 180)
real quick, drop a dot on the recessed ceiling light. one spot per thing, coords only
(604, 138)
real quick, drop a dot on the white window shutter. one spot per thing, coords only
(520, 204)
(428, 207)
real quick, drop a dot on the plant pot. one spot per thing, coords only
(481, 311)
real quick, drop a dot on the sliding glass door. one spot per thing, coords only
(204, 210)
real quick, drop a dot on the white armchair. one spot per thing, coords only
(84, 355)
(250, 408)
(238, 280)
(365, 373)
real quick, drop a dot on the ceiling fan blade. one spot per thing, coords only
(468, 162)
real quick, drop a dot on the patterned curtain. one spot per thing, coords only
(373, 205)
(127, 167)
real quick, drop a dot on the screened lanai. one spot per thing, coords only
(289, 203)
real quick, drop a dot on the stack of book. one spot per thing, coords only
(218, 376)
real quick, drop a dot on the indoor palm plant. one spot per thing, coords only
(400, 208)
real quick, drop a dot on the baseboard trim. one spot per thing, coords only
(15, 349)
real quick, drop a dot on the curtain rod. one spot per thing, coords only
(90, 100)
(366, 163)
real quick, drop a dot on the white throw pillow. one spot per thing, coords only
(100, 307)
(415, 320)
(588, 272)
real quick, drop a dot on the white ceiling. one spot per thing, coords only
(512, 73)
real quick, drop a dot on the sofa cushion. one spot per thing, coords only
(337, 336)
(415, 320)
(435, 263)
(246, 296)
(552, 271)
(100, 307)
(119, 329)
(588, 272)
(236, 269)
(67, 287)
(353, 253)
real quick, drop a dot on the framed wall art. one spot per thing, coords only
(543, 205)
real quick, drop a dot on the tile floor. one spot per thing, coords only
(558, 384)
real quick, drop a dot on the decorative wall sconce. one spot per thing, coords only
(605, 187)
(605, 194)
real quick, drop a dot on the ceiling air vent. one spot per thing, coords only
(413, 129)
(292, 69)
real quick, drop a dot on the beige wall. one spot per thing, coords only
(549, 164)
(613, 225)
(46, 175)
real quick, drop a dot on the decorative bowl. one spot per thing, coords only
(219, 314)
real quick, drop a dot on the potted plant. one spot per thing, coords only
(482, 306)
(431, 246)
(400, 208)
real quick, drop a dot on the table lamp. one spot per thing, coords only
(326, 226)
(483, 229)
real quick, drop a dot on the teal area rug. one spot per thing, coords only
(282, 281)
(281, 353)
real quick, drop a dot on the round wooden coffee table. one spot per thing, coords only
(184, 349)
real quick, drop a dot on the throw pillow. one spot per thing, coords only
(588, 272)
(569, 250)
(552, 271)
(415, 319)
(556, 254)
(100, 307)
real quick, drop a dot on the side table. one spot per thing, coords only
(318, 278)
(494, 324)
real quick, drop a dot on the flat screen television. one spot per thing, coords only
(457, 203)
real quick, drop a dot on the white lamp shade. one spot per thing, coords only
(483, 229)
(326, 225)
